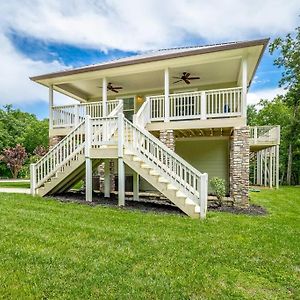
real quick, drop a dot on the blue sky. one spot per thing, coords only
(40, 37)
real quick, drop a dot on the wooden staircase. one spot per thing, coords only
(65, 164)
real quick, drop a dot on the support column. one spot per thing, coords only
(167, 93)
(239, 166)
(88, 161)
(271, 167)
(244, 86)
(121, 167)
(265, 166)
(104, 96)
(50, 106)
(258, 178)
(136, 180)
(167, 137)
(106, 179)
(277, 166)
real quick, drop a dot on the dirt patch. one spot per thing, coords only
(152, 204)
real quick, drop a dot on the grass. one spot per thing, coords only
(53, 250)
(15, 184)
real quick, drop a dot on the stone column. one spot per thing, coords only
(53, 140)
(167, 137)
(239, 166)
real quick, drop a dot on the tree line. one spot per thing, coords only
(23, 140)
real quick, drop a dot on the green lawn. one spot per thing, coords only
(53, 250)
(25, 185)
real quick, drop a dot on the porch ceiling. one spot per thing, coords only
(219, 67)
(153, 81)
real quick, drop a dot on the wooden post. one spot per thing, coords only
(121, 168)
(32, 179)
(88, 161)
(106, 179)
(255, 135)
(244, 86)
(104, 96)
(203, 105)
(136, 180)
(167, 94)
(203, 195)
(265, 166)
(76, 115)
(277, 166)
(271, 167)
(51, 106)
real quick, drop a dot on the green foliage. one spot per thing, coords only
(17, 127)
(54, 250)
(218, 186)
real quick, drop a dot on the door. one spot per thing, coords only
(128, 108)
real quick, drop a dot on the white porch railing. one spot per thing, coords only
(198, 105)
(72, 115)
(268, 134)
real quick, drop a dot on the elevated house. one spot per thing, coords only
(164, 121)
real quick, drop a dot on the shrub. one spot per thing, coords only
(218, 185)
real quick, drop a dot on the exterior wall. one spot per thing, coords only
(207, 155)
(239, 166)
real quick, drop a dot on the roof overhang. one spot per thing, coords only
(77, 82)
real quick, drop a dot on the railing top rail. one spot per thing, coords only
(197, 92)
(165, 148)
(138, 114)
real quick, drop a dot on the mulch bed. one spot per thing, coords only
(152, 204)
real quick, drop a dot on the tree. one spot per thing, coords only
(14, 157)
(289, 60)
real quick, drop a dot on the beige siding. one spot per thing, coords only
(210, 156)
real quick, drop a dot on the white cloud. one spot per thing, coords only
(127, 25)
(268, 94)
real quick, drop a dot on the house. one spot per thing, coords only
(166, 121)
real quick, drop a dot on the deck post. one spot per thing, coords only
(121, 167)
(106, 179)
(88, 161)
(76, 120)
(51, 106)
(277, 166)
(203, 105)
(271, 167)
(136, 180)
(244, 86)
(265, 166)
(167, 93)
(104, 96)
(203, 195)
(32, 179)
(255, 135)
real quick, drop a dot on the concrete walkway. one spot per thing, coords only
(15, 190)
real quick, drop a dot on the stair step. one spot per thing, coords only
(136, 158)
(163, 180)
(189, 201)
(180, 194)
(128, 152)
(172, 187)
(145, 166)
(154, 173)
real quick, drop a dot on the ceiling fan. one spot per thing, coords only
(112, 88)
(186, 78)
